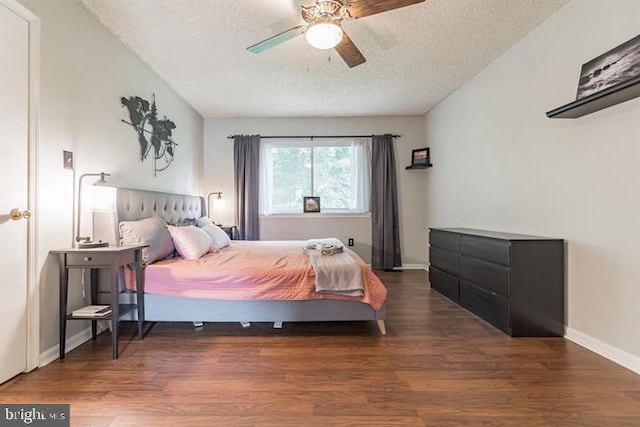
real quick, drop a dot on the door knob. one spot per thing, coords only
(16, 214)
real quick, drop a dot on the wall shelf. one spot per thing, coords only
(605, 98)
(419, 166)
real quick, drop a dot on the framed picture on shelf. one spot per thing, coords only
(311, 204)
(420, 157)
(616, 66)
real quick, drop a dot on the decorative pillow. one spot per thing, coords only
(219, 238)
(202, 221)
(152, 231)
(190, 241)
(184, 222)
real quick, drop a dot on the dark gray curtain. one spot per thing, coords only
(246, 162)
(385, 242)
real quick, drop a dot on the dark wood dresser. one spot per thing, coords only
(514, 282)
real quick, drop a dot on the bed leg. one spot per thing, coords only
(245, 324)
(383, 329)
(198, 325)
(277, 324)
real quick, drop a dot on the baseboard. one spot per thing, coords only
(74, 341)
(414, 267)
(408, 267)
(612, 353)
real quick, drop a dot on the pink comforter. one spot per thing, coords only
(252, 270)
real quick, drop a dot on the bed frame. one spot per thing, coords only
(132, 205)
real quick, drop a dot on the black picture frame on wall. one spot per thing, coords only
(311, 204)
(420, 158)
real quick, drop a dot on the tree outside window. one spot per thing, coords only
(336, 171)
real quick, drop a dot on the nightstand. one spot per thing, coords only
(230, 230)
(113, 260)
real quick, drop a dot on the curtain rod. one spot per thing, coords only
(315, 136)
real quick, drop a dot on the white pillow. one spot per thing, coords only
(153, 232)
(190, 242)
(219, 237)
(202, 221)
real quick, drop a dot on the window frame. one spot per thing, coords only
(364, 208)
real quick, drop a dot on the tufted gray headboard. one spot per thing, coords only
(132, 205)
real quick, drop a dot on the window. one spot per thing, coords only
(337, 171)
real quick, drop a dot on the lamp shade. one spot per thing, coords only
(218, 202)
(84, 241)
(324, 34)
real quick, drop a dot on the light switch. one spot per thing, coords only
(67, 157)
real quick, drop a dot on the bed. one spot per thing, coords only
(197, 305)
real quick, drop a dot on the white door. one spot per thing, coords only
(14, 191)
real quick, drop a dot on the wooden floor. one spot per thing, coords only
(438, 366)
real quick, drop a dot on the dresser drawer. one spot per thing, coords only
(493, 308)
(489, 276)
(444, 240)
(444, 283)
(89, 260)
(444, 260)
(488, 249)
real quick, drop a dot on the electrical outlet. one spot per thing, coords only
(67, 159)
(350, 242)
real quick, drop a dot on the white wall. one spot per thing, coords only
(502, 165)
(84, 72)
(218, 176)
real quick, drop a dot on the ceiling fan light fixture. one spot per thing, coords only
(324, 34)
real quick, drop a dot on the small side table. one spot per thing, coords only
(113, 259)
(230, 230)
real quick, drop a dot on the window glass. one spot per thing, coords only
(332, 176)
(291, 177)
(336, 171)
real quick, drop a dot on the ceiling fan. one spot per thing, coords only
(323, 26)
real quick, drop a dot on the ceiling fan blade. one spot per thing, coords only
(362, 8)
(277, 39)
(349, 52)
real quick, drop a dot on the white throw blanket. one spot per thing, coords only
(337, 274)
(327, 241)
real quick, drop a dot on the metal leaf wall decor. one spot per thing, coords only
(152, 132)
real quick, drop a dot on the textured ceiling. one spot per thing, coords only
(416, 56)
